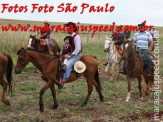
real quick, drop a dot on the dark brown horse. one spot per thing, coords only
(135, 69)
(49, 67)
(33, 42)
(6, 66)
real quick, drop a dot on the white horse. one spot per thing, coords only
(113, 57)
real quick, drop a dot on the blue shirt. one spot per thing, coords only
(142, 39)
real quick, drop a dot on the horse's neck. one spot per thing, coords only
(38, 59)
(132, 58)
(115, 51)
(37, 43)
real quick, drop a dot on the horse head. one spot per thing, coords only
(127, 48)
(31, 41)
(107, 44)
(22, 60)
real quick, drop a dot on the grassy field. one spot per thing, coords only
(24, 102)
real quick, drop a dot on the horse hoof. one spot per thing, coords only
(83, 105)
(55, 106)
(146, 93)
(141, 98)
(41, 108)
(127, 100)
(102, 98)
(7, 102)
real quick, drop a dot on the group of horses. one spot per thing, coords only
(49, 66)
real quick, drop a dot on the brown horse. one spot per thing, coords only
(135, 69)
(49, 67)
(33, 42)
(6, 66)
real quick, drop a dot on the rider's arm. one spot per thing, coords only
(150, 43)
(150, 46)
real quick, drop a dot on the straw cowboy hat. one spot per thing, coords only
(46, 22)
(79, 67)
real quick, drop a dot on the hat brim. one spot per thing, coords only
(81, 70)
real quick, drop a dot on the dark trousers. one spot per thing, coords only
(148, 59)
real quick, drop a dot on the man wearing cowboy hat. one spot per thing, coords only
(154, 34)
(143, 39)
(45, 34)
(76, 46)
(118, 38)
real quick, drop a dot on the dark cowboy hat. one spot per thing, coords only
(142, 24)
(73, 24)
(46, 22)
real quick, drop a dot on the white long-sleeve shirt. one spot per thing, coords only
(77, 43)
(154, 32)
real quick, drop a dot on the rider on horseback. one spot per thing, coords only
(154, 34)
(76, 46)
(66, 50)
(127, 34)
(45, 34)
(118, 38)
(142, 40)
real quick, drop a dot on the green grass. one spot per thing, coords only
(27, 86)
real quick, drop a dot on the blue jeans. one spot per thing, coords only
(69, 65)
(47, 41)
(148, 59)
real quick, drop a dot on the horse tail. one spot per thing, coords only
(96, 77)
(9, 71)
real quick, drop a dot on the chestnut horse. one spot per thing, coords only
(49, 67)
(135, 69)
(33, 42)
(6, 66)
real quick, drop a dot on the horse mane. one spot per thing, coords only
(41, 52)
(19, 51)
(38, 51)
(37, 41)
(127, 42)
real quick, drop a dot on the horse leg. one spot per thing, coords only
(117, 77)
(4, 86)
(147, 85)
(112, 71)
(107, 66)
(98, 89)
(129, 88)
(90, 89)
(54, 97)
(48, 84)
(140, 87)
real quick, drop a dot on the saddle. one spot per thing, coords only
(43, 42)
(117, 52)
(61, 59)
(119, 49)
(138, 52)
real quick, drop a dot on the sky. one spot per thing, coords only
(126, 12)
